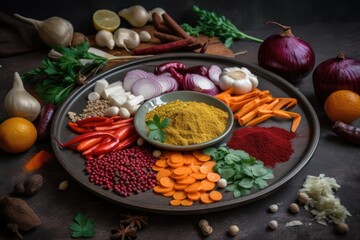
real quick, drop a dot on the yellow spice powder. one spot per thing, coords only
(191, 122)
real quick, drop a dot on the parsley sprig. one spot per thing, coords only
(156, 128)
(82, 226)
(56, 78)
(242, 171)
(213, 24)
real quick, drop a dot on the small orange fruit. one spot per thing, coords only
(343, 105)
(17, 134)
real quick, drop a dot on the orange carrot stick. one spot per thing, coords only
(259, 119)
(37, 161)
(248, 107)
(295, 123)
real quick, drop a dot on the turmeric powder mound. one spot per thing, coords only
(191, 122)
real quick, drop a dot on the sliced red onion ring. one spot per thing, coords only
(149, 88)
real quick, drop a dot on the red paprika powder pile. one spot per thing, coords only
(271, 145)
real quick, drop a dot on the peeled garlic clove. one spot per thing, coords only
(105, 38)
(126, 38)
(145, 36)
(19, 103)
(52, 31)
(136, 15)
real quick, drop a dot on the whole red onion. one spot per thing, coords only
(286, 55)
(334, 74)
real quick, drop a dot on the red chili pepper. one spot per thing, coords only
(85, 136)
(105, 147)
(124, 132)
(126, 120)
(112, 127)
(87, 143)
(91, 119)
(165, 67)
(91, 149)
(75, 128)
(127, 142)
(177, 75)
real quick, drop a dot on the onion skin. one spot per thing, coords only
(334, 74)
(286, 55)
(347, 132)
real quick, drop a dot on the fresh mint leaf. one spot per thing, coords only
(242, 171)
(260, 183)
(82, 226)
(246, 182)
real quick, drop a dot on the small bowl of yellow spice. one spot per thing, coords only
(183, 121)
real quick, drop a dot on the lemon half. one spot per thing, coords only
(106, 20)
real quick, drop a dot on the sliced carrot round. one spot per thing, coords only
(206, 185)
(163, 173)
(195, 168)
(213, 177)
(169, 194)
(174, 165)
(175, 202)
(195, 187)
(205, 198)
(198, 175)
(161, 189)
(176, 158)
(194, 196)
(157, 168)
(161, 163)
(180, 186)
(182, 171)
(186, 202)
(215, 195)
(188, 180)
(188, 159)
(201, 156)
(179, 195)
(167, 182)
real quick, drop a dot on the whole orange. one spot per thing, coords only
(343, 105)
(17, 134)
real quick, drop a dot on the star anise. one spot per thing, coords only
(137, 221)
(123, 233)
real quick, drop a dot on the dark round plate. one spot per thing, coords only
(304, 144)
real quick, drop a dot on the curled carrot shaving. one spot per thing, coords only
(37, 161)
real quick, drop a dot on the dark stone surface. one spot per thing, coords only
(333, 157)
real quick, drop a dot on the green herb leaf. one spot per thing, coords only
(56, 78)
(242, 171)
(82, 226)
(213, 24)
(246, 182)
(156, 128)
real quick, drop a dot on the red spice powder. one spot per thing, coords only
(271, 145)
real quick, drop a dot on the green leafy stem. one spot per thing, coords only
(213, 24)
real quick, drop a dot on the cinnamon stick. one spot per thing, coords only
(173, 25)
(164, 37)
(164, 47)
(159, 25)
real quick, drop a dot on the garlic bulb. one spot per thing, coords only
(136, 15)
(104, 38)
(52, 31)
(19, 103)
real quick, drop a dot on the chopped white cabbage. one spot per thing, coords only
(324, 204)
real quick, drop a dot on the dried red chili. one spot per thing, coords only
(271, 145)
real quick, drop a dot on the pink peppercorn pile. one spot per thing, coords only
(127, 171)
